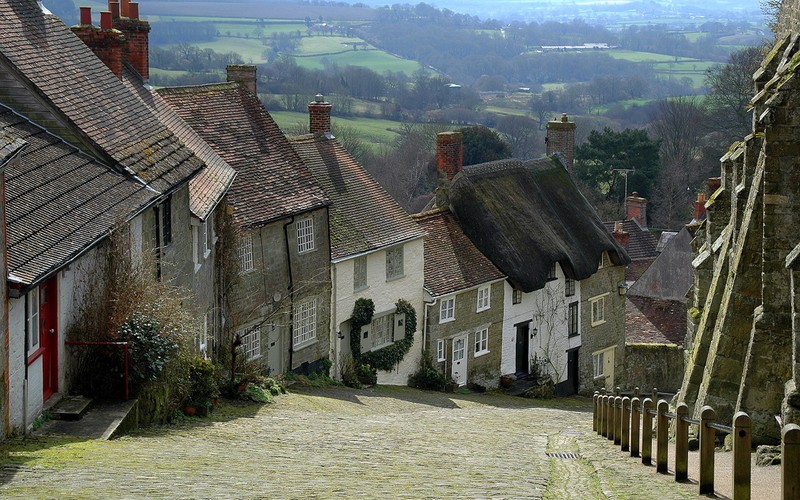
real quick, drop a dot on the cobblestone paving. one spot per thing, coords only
(385, 442)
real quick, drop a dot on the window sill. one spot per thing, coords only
(206, 253)
(449, 320)
(441, 360)
(395, 278)
(481, 353)
(483, 309)
(254, 358)
(35, 355)
(197, 267)
(249, 271)
(303, 252)
(598, 323)
(571, 335)
(305, 344)
(360, 289)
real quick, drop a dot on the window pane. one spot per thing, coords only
(305, 321)
(245, 253)
(305, 235)
(394, 262)
(360, 273)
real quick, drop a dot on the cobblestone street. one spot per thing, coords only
(386, 442)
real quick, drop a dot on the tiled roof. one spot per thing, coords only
(72, 81)
(207, 188)
(9, 147)
(363, 215)
(60, 202)
(524, 216)
(452, 262)
(642, 243)
(670, 276)
(654, 321)
(272, 182)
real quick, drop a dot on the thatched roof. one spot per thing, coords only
(526, 215)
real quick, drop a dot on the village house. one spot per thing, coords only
(100, 158)
(564, 286)
(279, 305)
(633, 235)
(376, 253)
(463, 318)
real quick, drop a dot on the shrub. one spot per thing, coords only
(149, 348)
(367, 375)
(427, 377)
(202, 383)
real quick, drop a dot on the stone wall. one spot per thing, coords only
(654, 365)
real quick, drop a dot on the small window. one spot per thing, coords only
(245, 253)
(305, 235)
(440, 350)
(484, 302)
(598, 362)
(569, 287)
(602, 263)
(516, 296)
(598, 305)
(572, 320)
(447, 310)
(32, 319)
(394, 263)
(204, 239)
(195, 247)
(251, 342)
(360, 273)
(551, 275)
(382, 328)
(482, 342)
(305, 322)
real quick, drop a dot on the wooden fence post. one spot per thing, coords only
(606, 415)
(617, 420)
(707, 444)
(647, 431)
(654, 396)
(741, 456)
(662, 437)
(636, 422)
(790, 462)
(611, 420)
(595, 413)
(626, 424)
(681, 443)
(636, 392)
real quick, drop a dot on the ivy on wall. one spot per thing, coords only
(385, 358)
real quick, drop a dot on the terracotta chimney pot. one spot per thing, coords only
(636, 209)
(114, 8)
(133, 10)
(86, 15)
(449, 153)
(105, 20)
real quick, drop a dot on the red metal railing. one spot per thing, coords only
(124, 349)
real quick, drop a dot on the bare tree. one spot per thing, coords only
(731, 87)
(522, 134)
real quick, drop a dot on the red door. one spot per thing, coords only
(48, 318)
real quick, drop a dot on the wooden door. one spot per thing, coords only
(523, 354)
(48, 329)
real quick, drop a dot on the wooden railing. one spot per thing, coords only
(624, 420)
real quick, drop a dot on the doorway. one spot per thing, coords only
(48, 328)
(523, 354)
(459, 371)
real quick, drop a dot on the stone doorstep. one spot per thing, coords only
(104, 420)
(70, 408)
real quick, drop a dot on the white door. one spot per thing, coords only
(274, 352)
(460, 360)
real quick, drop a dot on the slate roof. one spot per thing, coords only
(642, 243)
(452, 262)
(207, 188)
(68, 77)
(272, 182)
(363, 216)
(9, 148)
(60, 202)
(670, 276)
(526, 215)
(654, 321)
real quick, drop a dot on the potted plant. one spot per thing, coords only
(203, 387)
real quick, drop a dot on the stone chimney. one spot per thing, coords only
(700, 207)
(561, 139)
(621, 235)
(713, 184)
(245, 74)
(319, 115)
(106, 42)
(636, 209)
(137, 35)
(449, 153)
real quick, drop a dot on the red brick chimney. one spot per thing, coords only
(105, 42)
(636, 208)
(245, 74)
(713, 183)
(449, 153)
(319, 115)
(137, 35)
(561, 139)
(700, 206)
(621, 235)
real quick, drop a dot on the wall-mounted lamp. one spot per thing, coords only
(340, 335)
(534, 332)
(622, 288)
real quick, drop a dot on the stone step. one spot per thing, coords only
(104, 420)
(70, 408)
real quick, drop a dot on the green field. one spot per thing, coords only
(251, 49)
(374, 131)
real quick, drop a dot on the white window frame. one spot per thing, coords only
(251, 341)
(447, 309)
(195, 246)
(395, 266)
(482, 342)
(305, 234)
(597, 305)
(32, 310)
(382, 330)
(516, 296)
(569, 287)
(360, 275)
(598, 364)
(204, 237)
(305, 323)
(245, 252)
(602, 263)
(484, 298)
(441, 350)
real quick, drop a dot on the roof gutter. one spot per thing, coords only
(378, 249)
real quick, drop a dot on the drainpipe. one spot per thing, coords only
(425, 321)
(336, 341)
(290, 288)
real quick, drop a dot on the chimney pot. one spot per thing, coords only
(86, 15)
(449, 153)
(105, 20)
(114, 8)
(133, 10)
(619, 234)
(319, 98)
(124, 8)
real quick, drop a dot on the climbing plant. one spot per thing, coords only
(385, 358)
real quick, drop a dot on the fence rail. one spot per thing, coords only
(625, 420)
